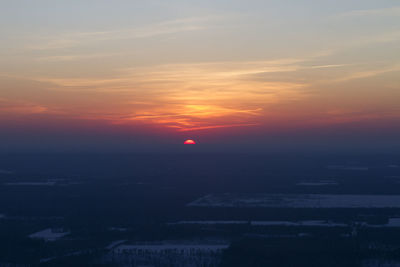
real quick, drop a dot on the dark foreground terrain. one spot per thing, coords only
(199, 210)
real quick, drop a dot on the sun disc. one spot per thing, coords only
(189, 142)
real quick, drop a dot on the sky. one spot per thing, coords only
(133, 75)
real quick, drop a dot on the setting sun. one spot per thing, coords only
(189, 142)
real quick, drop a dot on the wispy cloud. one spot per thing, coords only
(200, 75)
(390, 11)
(20, 107)
(193, 95)
(208, 127)
(74, 57)
(74, 39)
(378, 38)
(203, 96)
(208, 95)
(355, 28)
(366, 74)
(329, 66)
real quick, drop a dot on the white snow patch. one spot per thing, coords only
(49, 234)
(298, 201)
(393, 222)
(186, 248)
(269, 223)
(210, 222)
(115, 243)
(299, 223)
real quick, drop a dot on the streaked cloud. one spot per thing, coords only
(74, 57)
(194, 95)
(75, 39)
(20, 107)
(390, 11)
(366, 74)
(200, 96)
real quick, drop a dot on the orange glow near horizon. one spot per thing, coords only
(189, 142)
(160, 77)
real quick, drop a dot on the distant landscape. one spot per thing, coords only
(196, 209)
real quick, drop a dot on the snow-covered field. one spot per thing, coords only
(164, 247)
(210, 222)
(269, 223)
(49, 234)
(115, 243)
(166, 253)
(299, 223)
(392, 222)
(298, 201)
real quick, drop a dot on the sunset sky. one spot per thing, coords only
(102, 73)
